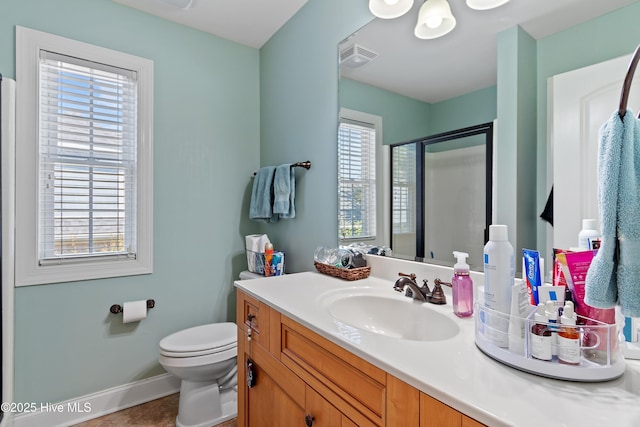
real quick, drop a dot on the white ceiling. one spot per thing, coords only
(430, 70)
(248, 22)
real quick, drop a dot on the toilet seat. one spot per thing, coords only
(200, 340)
(196, 361)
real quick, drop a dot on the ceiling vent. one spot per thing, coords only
(356, 56)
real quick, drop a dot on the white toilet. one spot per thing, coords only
(205, 359)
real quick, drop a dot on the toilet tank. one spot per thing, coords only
(246, 275)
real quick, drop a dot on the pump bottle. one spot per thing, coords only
(462, 286)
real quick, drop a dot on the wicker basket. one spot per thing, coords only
(343, 273)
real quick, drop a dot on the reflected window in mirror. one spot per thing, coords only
(403, 205)
(360, 179)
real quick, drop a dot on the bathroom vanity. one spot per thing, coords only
(299, 375)
(312, 366)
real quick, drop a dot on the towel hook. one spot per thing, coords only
(626, 88)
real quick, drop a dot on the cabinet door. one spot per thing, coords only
(270, 405)
(470, 422)
(320, 412)
(434, 413)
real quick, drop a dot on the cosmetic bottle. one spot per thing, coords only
(268, 255)
(588, 233)
(568, 337)
(499, 277)
(552, 321)
(540, 338)
(462, 286)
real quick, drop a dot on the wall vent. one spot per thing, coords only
(356, 56)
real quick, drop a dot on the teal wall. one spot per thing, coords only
(463, 111)
(403, 118)
(609, 36)
(299, 120)
(206, 145)
(515, 169)
(406, 119)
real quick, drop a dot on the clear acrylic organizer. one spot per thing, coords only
(255, 261)
(601, 357)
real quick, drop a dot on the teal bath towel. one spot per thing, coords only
(261, 206)
(614, 274)
(284, 192)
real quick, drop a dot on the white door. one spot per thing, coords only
(580, 102)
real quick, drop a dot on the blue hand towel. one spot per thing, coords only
(614, 273)
(284, 192)
(629, 220)
(261, 208)
(601, 288)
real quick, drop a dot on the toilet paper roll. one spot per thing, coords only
(134, 311)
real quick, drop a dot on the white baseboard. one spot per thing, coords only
(95, 405)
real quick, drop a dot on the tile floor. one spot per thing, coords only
(157, 413)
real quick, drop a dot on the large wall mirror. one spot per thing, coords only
(424, 88)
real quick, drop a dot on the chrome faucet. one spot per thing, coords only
(415, 292)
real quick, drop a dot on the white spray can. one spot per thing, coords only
(499, 277)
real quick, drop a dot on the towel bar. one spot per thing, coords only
(306, 164)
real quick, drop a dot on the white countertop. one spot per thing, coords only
(454, 371)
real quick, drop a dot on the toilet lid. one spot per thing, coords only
(202, 338)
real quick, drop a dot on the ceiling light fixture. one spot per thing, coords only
(434, 19)
(389, 9)
(180, 4)
(485, 4)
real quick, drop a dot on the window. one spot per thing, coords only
(84, 146)
(404, 188)
(357, 190)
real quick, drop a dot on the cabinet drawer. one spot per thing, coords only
(253, 314)
(339, 375)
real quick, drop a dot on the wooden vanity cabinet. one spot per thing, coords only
(303, 379)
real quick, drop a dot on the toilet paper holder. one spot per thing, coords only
(117, 308)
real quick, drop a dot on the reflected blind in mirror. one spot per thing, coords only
(404, 188)
(356, 180)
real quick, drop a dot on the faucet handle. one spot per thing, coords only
(440, 282)
(425, 287)
(410, 276)
(437, 295)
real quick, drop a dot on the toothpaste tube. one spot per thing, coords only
(577, 266)
(532, 277)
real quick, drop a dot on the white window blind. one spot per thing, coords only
(88, 154)
(404, 188)
(356, 180)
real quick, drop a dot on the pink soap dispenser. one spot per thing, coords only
(462, 286)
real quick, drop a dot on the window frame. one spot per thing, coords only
(29, 271)
(382, 177)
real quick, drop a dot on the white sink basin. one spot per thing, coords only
(391, 315)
